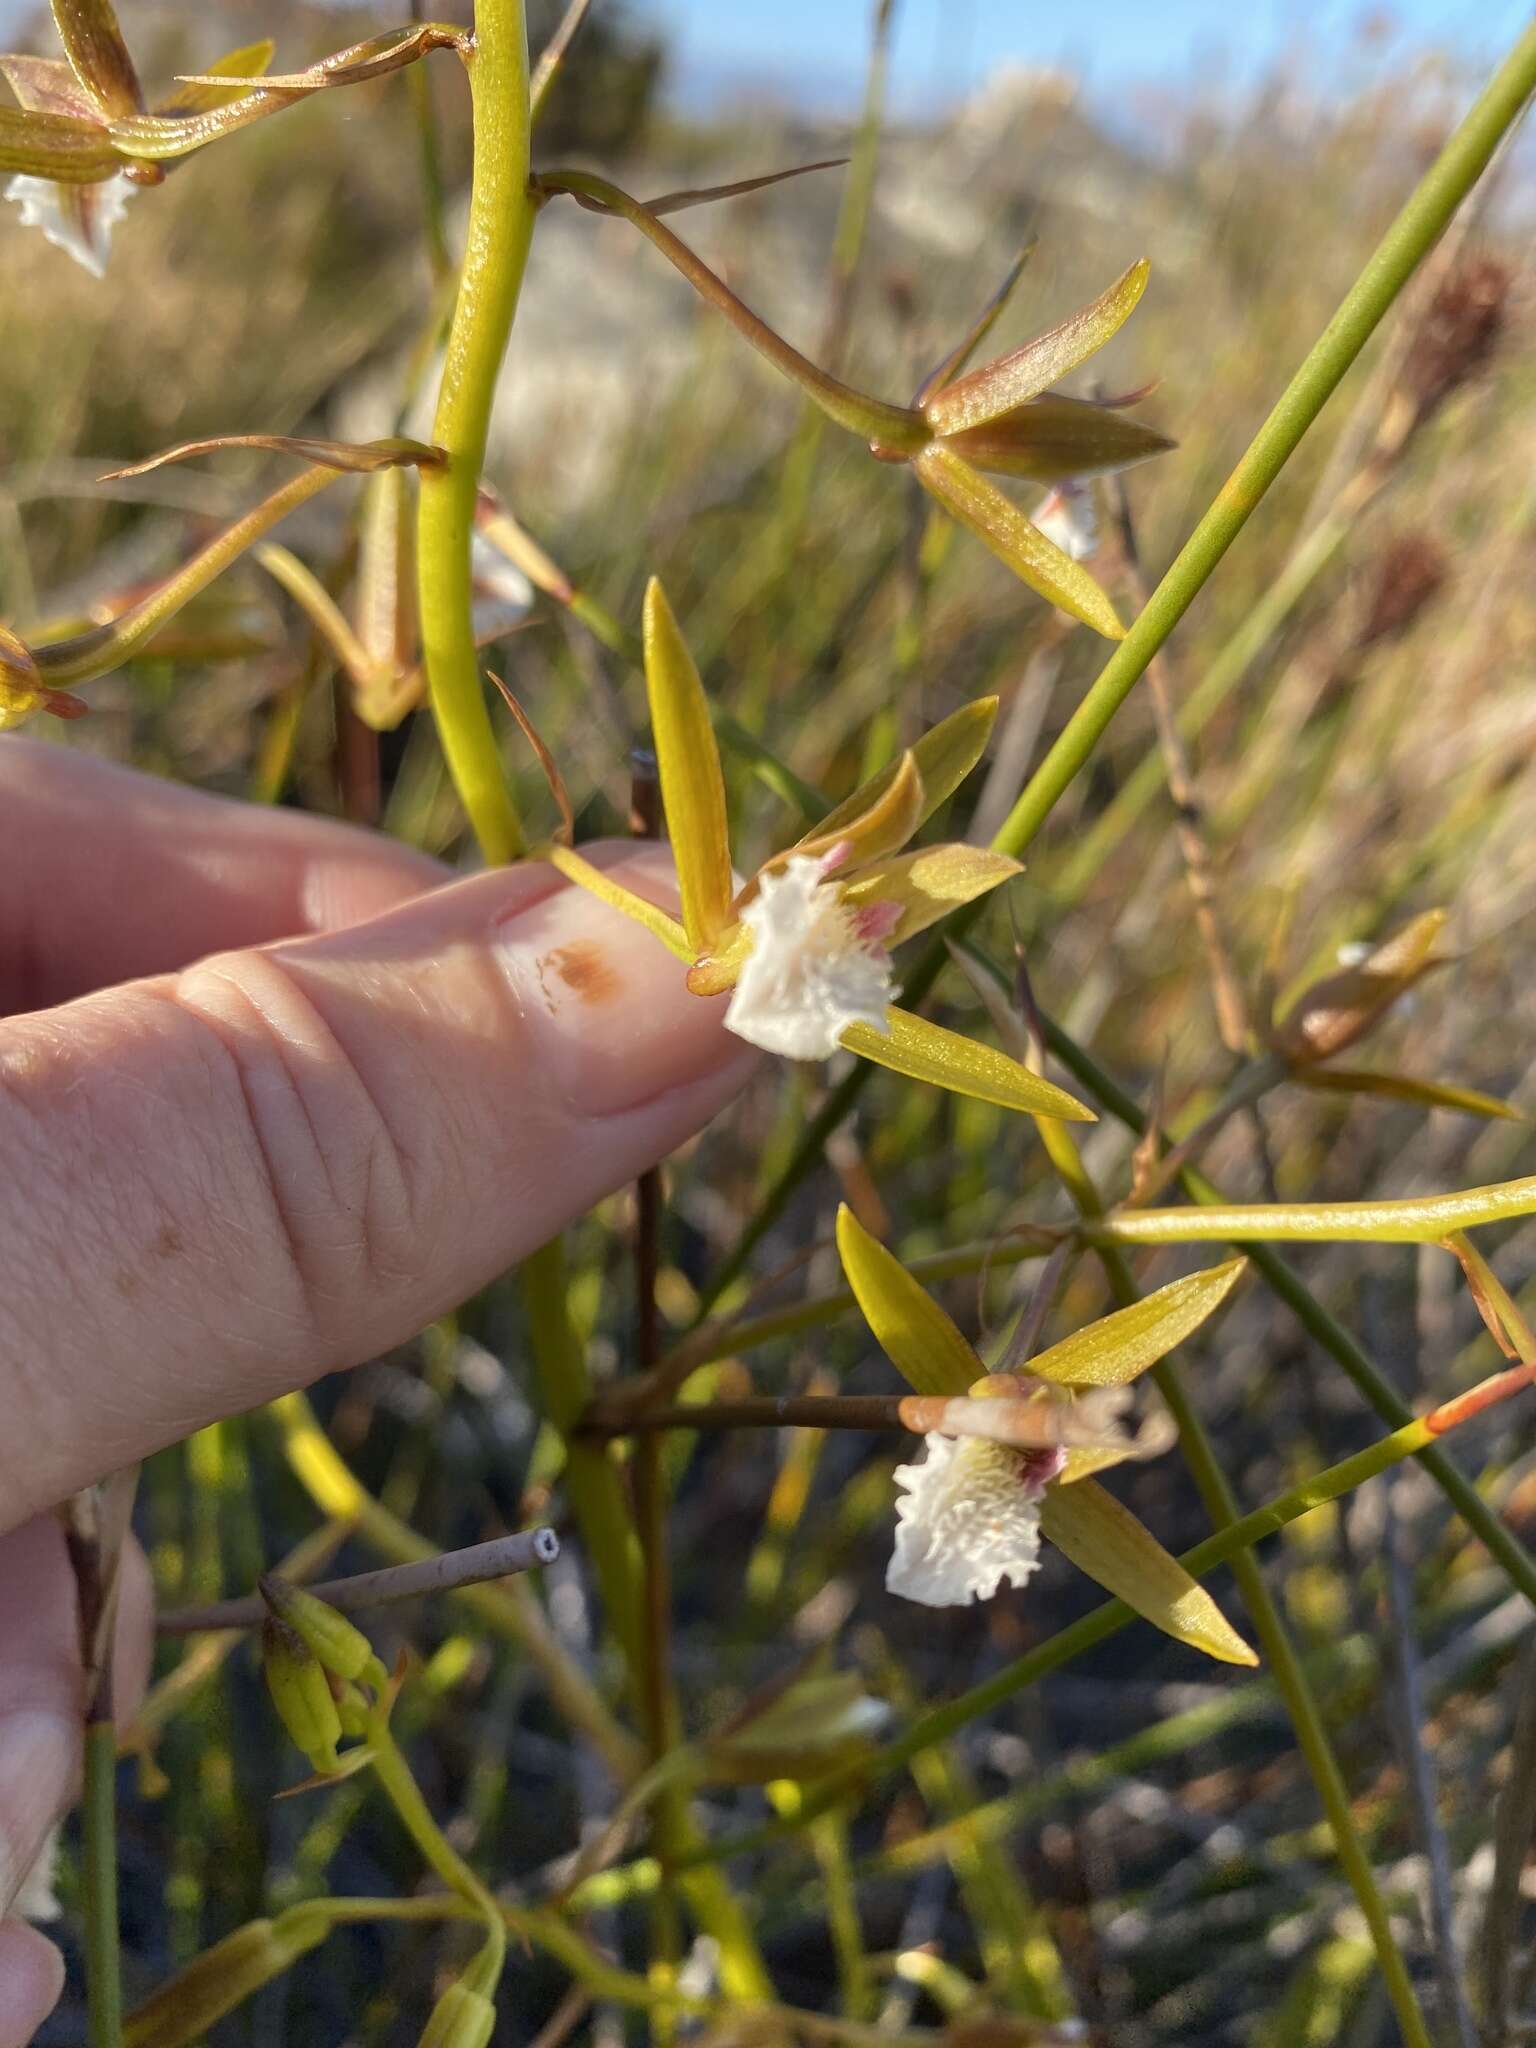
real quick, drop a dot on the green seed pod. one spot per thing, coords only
(461, 2019)
(301, 1693)
(341, 1648)
(222, 1977)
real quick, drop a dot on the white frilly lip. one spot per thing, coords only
(811, 972)
(78, 219)
(968, 1519)
(1068, 517)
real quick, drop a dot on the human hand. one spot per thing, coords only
(229, 1171)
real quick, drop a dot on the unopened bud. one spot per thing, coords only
(1339, 1010)
(341, 1648)
(461, 2019)
(301, 1693)
(812, 1726)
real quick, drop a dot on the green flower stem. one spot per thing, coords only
(104, 1983)
(1419, 1220)
(496, 249)
(1404, 246)
(1226, 670)
(396, 1780)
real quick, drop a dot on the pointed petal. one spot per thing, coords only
(927, 1052)
(1053, 438)
(1107, 1542)
(928, 884)
(1118, 1348)
(688, 763)
(887, 822)
(997, 387)
(945, 755)
(98, 56)
(46, 85)
(968, 497)
(63, 147)
(916, 1335)
(238, 66)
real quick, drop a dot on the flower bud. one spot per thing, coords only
(341, 1648)
(301, 1693)
(1338, 1011)
(461, 2019)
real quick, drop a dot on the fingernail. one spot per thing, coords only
(607, 1011)
(37, 1769)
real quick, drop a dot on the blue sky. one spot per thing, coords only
(943, 47)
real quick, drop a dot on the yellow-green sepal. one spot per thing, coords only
(241, 67)
(998, 387)
(916, 1335)
(688, 763)
(944, 755)
(1106, 1541)
(928, 884)
(981, 507)
(927, 1052)
(1118, 1348)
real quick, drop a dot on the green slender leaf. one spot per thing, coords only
(1404, 1088)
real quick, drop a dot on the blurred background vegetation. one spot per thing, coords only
(1160, 1875)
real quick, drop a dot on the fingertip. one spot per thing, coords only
(31, 1982)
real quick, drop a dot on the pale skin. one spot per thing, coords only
(273, 1094)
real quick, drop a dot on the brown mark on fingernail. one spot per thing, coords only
(583, 969)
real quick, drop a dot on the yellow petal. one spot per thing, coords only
(692, 786)
(980, 506)
(889, 818)
(999, 386)
(914, 1332)
(927, 1052)
(1118, 1348)
(1107, 1542)
(929, 884)
(945, 755)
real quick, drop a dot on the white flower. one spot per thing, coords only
(970, 1518)
(78, 219)
(34, 1898)
(814, 967)
(1068, 517)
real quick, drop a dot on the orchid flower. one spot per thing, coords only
(804, 947)
(1004, 417)
(1010, 1456)
(80, 136)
